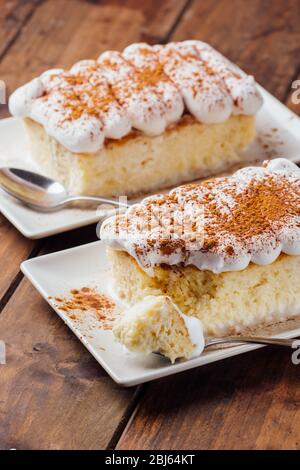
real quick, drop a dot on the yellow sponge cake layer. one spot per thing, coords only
(226, 303)
(140, 163)
(156, 325)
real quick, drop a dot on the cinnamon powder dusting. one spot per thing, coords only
(251, 211)
(87, 300)
(261, 208)
(88, 91)
(262, 204)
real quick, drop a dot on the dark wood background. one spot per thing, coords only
(53, 394)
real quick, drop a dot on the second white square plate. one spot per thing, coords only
(54, 275)
(278, 134)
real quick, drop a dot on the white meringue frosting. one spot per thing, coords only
(219, 225)
(144, 88)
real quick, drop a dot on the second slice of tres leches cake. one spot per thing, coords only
(139, 120)
(225, 251)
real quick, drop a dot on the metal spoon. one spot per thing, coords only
(246, 339)
(45, 194)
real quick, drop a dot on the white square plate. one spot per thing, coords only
(278, 134)
(56, 274)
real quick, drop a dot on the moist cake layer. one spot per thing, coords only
(139, 163)
(226, 303)
(219, 225)
(145, 87)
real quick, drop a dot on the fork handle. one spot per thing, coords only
(251, 339)
(95, 200)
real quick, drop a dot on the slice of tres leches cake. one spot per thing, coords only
(225, 250)
(139, 120)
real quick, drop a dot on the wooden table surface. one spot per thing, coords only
(53, 394)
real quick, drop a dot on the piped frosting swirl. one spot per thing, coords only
(219, 225)
(146, 88)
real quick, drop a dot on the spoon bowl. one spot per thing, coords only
(44, 194)
(32, 187)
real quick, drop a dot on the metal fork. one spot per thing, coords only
(247, 340)
(250, 339)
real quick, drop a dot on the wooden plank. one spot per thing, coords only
(246, 402)
(261, 37)
(53, 394)
(158, 17)
(14, 248)
(13, 15)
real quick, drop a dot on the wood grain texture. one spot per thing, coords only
(14, 248)
(13, 14)
(246, 402)
(261, 36)
(50, 39)
(159, 17)
(53, 394)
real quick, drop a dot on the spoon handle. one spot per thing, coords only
(92, 201)
(251, 339)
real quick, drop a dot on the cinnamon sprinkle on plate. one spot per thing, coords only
(87, 300)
